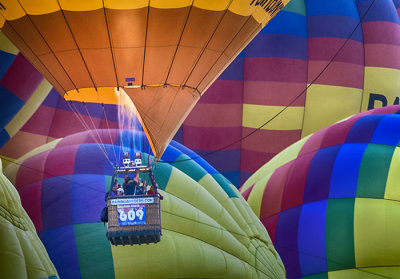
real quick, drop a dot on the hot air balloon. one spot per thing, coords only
(22, 89)
(330, 201)
(209, 231)
(163, 54)
(22, 253)
(352, 66)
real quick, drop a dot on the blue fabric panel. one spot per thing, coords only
(319, 174)
(312, 254)
(171, 154)
(233, 177)
(278, 45)
(286, 23)
(388, 130)
(9, 105)
(345, 171)
(88, 193)
(381, 10)
(234, 70)
(56, 202)
(363, 129)
(4, 137)
(328, 7)
(61, 247)
(6, 59)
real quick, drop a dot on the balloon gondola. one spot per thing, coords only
(135, 216)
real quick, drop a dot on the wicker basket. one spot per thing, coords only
(150, 232)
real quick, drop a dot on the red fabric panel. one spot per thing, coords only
(379, 55)
(57, 167)
(250, 161)
(352, 52)
(271, 93)
(21, 78)
(32, 169)
(31, 198)
(275, 69)
(210, 138)
(223, 92)
(270, 224)
(337, 74)
(293, 194)
(270, 141)
(246, 193)
(40, 121)
(215, 115)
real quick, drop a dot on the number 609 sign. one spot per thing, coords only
(131, 214)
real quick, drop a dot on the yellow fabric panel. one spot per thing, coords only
(258, 191)
(105, 95)
(22, 254)
(181, 217)
(13, 10)
(327, 104)
(6, 160)
(354, 274)
(185, 188)
(209, 183)
(29, 108)
(255, 115)
(241, 7)
(181, 256)
(44, 7)
(383, 81)
(392, 191)
(6, 45)
(376, 232)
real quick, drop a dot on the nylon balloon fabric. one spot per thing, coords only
(324, 60)
(166, 59)
(208, 230)
(330, 201)
(22, 254)
(22, 89)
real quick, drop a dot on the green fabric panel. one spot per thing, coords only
(317, 276)
(162, 173)
(339, 234)
(189, 167)
(108, 182)
(225, 184)
(374, 171)
(95, 261)
(296, 6)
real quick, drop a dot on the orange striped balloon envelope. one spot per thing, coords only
(164, 54)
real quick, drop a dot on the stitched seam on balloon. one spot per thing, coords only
(17, 221)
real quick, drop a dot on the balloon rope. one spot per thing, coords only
(86, 127)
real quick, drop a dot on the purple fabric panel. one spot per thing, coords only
(88, 192)
(382, 10)
(278, 45)
(336, 26)
(90, 159)
(57, 202)
(286, 241)
(319, 174)
(21, 78)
